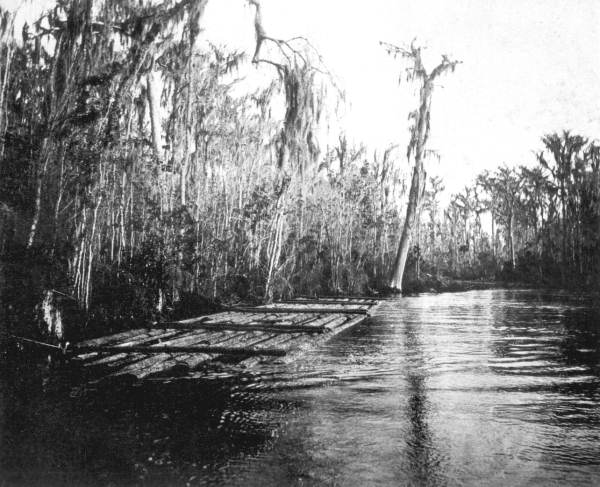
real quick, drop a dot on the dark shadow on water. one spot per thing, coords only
(121, 433)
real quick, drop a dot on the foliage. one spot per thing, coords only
(543, 222)
(133, 207)
(136, 219)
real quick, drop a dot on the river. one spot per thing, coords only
(496, 387)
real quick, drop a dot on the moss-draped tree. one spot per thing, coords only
(419, 134)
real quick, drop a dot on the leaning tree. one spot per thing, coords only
(419, 133)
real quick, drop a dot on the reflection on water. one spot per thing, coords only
(484, 387)
(424, 458)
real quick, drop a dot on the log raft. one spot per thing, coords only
(239, 337)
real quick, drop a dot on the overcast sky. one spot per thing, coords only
(529, 67)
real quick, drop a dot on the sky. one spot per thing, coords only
(528, 67)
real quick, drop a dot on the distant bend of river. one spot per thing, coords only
(496, 387)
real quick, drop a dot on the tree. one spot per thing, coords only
(565, 150)
(419, 133)
(7, 47)
(299, 68)
(431, 204)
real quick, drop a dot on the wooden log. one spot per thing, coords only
(268, 340)
(229, 339)
(350, 296)
(299, 319)
(224, 317)
(286, 342)
(180, 349)
(333, 307)
(113, 360)
(299, 340)
(285, 310)
(145, 338)
(261, 338)
(296, 345)
(195, 338)
(240, 335)
(116, 337)
(237, 338)
(327, 301)
(37, 343)
(143, 365)
(292, 340)
(268, 328)
(159, 363)
(162, 363)
(325, 320)
(120, 359)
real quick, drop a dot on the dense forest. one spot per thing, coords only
(136, 181)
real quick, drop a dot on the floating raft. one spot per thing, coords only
(241, 336)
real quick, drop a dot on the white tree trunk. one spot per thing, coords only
(414, 200)
(153, 92)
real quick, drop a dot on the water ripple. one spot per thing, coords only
(498, 387)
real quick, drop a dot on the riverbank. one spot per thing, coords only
(447, 285)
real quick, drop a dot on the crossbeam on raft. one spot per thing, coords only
(282, 310)
(327, 301)
(208, 349)
(334, 297)
(231, 326)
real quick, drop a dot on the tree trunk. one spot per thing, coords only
(417, 186)
(194, 30)
(416, 147)
(494, 236)
(511, 242)
(563, 267)
(38, 199)
(3, 89)
(153, 92)
(414, 200)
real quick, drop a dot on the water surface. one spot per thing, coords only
(485, 387)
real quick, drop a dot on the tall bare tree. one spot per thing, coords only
(416, 148)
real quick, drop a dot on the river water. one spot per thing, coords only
(497, 387)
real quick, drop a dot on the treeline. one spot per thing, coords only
(136, 182)
(538, 224)
(127, 211)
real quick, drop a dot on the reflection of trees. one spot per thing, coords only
(581, 345)
(547, 335)
(423, 457)
(547, 347)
